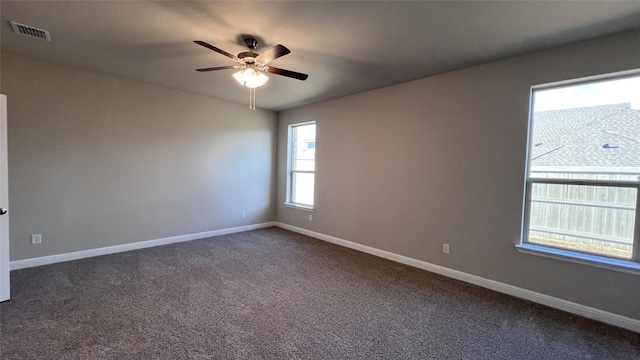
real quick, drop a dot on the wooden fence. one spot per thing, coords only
(598, 219)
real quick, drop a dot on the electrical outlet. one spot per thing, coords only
(36, 238)
(310, 217)
(243, 214)
(445, 248)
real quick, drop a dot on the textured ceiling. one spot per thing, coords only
(345, 47)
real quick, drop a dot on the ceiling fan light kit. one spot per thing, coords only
(253, 65)
(251, 78)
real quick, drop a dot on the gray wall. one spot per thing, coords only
(96, 161)
(441, 160)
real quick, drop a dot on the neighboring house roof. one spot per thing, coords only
(601, 136)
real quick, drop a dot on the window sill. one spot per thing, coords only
(624, 266)
(298, 206)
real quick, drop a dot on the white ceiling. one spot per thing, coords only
(345, 47)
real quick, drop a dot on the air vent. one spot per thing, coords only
(31, 31)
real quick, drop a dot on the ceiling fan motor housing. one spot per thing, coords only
(248, 57)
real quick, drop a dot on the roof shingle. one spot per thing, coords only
(597, 136)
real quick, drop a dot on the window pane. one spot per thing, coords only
(302, 188)
(593, 219)
(587, 131)
(303, 154)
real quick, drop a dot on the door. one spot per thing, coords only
(4, 204)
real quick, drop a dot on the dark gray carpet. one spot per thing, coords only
(275, 294)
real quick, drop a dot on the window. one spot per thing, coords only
(582, 193)
(301, 165)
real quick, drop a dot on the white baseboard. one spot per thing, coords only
(52, 259)
(557, 303)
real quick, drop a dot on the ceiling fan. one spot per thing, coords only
(252, 65)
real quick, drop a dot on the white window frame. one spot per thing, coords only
(631, 266)
(290, 172)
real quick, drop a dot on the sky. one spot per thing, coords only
(617, 91)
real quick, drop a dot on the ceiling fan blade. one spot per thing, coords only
(272, 53)
(211, 47)
(289, 73)
(220, 68)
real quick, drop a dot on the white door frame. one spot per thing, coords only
(5, 292)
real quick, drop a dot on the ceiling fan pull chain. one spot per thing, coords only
(252, 99)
